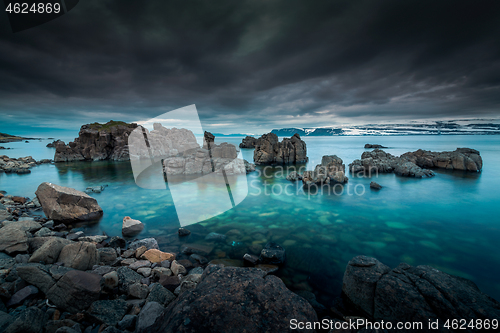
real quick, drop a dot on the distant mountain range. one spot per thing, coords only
(451, 127)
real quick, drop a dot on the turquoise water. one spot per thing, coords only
(450, 221)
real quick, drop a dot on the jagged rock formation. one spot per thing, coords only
(248, 142)
(181, 153)
(413, 294)
(464, 159)
(270, 151)
(54, 143)
(331, 170)
(97, 142)
(378, 161)
(412, 164)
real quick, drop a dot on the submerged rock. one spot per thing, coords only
(272, 254)
(66, 204)
(375, 186)
(369, 146)
(230, 299)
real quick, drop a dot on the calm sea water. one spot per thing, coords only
(450, 221)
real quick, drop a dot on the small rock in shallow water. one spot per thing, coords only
(253, 259)
(183, 232)
(375, 186)
(215, 237)
(131, 227)
(201, 259)
(272, 254)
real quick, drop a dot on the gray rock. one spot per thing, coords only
(331, 170)
(127, 323)
(31, 320)
(22, 295)
(248, 142)
(13, 240)
(148, 316)
(75, 291)
(160, 294)
(131, 227)
(117, 242)
(109, 312)
(22, 258)
(375, 186)
(111, 280)
(144, 271)
(49, 224)
(293, 176)
(107, 255)
(253, 259)
(50, 250)
(66, 204)
(150, 243)
(139, 264)
(269, 150)
(201, 259)
(127, 277)
(37, 275)
(196, 270)
(58, 272)
(138, 290)
(80, 255)
(102, 270)
(93, 239)
(177, 268)
(44, 232)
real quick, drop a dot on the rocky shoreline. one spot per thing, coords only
(54, 278)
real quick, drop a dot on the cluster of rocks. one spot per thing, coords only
(463, 159)
(330, 171)
(413, 294)
(378, 161)
(270, 151)
(97, 142)
(415, 164)
(19, 165)
(182, 155)
(2, 147)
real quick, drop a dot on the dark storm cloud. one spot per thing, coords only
(258, 63)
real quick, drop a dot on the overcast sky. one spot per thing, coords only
(251, 66)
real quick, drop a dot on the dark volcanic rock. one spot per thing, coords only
(109, 312)
(270, 151)
(375, 185)
(75, 291)
(369, 146)
(31, 320)
(66, 204)
(272, 254)
(409, 293)
(230, 299)
(208, 140)
(97, 142)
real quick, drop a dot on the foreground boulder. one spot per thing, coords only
(232, 299)
(269, 150)
(79, 255)
(66, 204)
(97, 142)
(412, 294)
(75, 291)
